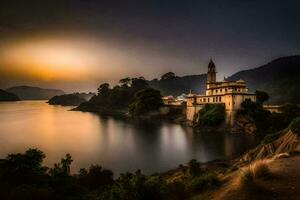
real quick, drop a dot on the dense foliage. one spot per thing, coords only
(294, 126)
(23, 177)
(211, 115)
(170, 84)
(145, 101)
(66, 100)
(7, 96)
(114, 99)
(261, 96)
(256, 112)
(267, 122)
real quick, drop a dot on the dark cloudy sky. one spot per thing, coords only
(77, 44)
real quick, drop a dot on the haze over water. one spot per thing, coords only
(117, 144)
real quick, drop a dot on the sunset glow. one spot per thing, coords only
(48, 60)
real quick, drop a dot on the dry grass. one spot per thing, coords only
(281, 155)
(250, 175)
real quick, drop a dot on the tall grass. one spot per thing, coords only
(250, 175)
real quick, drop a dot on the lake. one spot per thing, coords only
(115, 143)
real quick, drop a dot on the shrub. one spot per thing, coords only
(177, 191)
(194, 168)
(206, 181)
(31, 192)
(211, 115)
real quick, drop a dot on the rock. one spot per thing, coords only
(286, 141)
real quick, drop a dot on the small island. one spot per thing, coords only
(66, 100)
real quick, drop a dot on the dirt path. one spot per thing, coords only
(283, 185)
(286, 181)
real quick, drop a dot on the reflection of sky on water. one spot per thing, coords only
(119, 144)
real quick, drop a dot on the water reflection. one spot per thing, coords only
(116, 143)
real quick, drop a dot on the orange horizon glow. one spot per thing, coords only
(46, 61)
(78, 62)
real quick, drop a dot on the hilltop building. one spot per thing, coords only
(229, 93)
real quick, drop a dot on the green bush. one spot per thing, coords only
(203, 182)
(145, 101)
(256, 112)
(177, 190)
(194, 168)
(211, 115)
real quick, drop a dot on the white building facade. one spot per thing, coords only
(229, 93)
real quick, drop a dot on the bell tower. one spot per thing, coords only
(211, 74)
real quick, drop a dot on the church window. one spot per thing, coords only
(220, 99)
(207, 99)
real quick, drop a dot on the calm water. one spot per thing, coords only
(116, 144)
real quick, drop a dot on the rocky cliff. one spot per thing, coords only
(286, 141)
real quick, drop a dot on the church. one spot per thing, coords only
(229, 93)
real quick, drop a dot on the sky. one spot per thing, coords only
(75, 45)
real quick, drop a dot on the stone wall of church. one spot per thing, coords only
(232, 103)
(191, 111)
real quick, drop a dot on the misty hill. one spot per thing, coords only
(7, 96)
(34, 93)
(280, 78)
(66, 100)
(85, 96)
(176, 85)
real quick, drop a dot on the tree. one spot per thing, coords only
(103, 89)
(97, 177)
(261, 96)
(167, 76)
(62, 168)
(125, 82)
(290, 110)
(138, 83)
(145, 101)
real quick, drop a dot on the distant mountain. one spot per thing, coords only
(34, 93)
(280, 78)
(177, 85)
(66, 100)
(7, 96)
